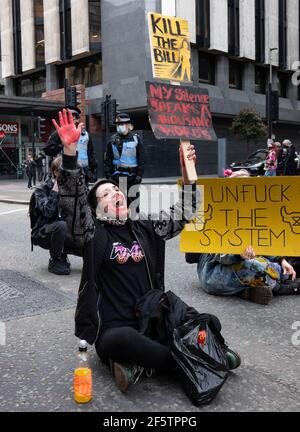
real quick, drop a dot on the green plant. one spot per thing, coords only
(248, 124)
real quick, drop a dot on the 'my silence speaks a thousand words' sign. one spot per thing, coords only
(179, 112)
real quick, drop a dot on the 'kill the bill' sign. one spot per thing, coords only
(236, 213)
(170, 48)
(179, 112)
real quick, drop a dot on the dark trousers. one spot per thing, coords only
(31, 179)
(40, 172)
(127, 345)
(54, 238)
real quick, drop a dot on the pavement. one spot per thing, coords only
(17, 192)
(38, 354)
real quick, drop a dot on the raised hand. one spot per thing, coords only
(68, 132)
(249, 253)
(191, 156)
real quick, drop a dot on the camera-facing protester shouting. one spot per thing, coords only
(123, 264)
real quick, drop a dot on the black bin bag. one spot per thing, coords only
(203, 368)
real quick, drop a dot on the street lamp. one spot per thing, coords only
(272, 97)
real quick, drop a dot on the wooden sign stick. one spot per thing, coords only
(189, 164)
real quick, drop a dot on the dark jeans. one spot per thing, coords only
(125, 344)
(54, 238)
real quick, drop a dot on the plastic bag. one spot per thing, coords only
(203, 366)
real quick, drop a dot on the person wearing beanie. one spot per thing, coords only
(124, 264)
(125, 157)
(86, 152)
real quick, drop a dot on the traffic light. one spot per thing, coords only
(41, 127)
(112, 113)
(72, 96)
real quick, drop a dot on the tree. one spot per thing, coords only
(248, 124)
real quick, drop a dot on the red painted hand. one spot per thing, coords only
(2, 134)
(68, 132)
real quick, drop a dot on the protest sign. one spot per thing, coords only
(262, 212)
(179, 112)
(170, 48)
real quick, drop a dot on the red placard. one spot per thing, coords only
(9, 128)
(179, 112)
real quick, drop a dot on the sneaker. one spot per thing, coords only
(289, 287)
(65, 258)
(260, 294)
(125, 374)
(58, 267)
(234, 360)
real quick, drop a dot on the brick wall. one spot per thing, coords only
(59, 96)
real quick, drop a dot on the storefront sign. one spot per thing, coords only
(170, 48)
(9, 128)
(179, 112)
(236, 213)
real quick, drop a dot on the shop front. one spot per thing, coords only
(18, 132)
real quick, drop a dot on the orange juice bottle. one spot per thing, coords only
(82, 382)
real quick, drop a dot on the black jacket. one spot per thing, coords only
(47, 207)
(92, 237)
(54, 147)
(119, 140)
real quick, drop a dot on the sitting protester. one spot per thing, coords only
(124, 263)
(249, 276)
(49, 230)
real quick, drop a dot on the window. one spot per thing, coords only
(31, 86)
(207, 67)
(65, 29)
(95, 25)
(17, 36)
(283, 84)
(282, 34)
(260, 30)
(236, 70)
(234, 27)
(261, 79)
(39, 33)
(86, 71)
(203, 23)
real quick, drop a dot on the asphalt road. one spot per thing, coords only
(38, 356)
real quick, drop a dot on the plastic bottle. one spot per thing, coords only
(82, 382)
(202, 337)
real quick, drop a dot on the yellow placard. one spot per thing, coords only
(263, 212)
(170, 48)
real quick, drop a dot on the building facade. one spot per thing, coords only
(103, 47)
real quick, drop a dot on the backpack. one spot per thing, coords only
(34, 215)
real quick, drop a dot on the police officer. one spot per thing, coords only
(125, 156)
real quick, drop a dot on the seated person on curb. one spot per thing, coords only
(123, 261)
(250, 277)
(50, 230)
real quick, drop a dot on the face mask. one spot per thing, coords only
(121, 129)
